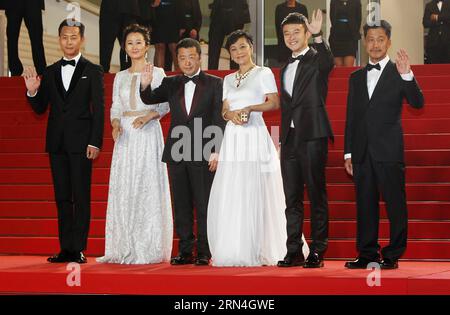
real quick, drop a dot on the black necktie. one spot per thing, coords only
(68, 62)
(194, 79)
(292, 59)
(370, 67)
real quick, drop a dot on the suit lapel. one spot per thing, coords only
(77, 74)
(199, 88)
(181, 96)
(58, 81)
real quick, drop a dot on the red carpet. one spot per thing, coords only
(34, 275)
(28, 214)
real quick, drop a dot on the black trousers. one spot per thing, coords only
(439, 53)
(216, 37)
(33, 22)
(191, 185)
(388, 178)
(112, 26)
(302, 165)
(71, 174)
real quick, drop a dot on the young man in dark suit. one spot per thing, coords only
(374, 146)
(226, 16)
(305, 130)
(195, 100)
(31, 12)
(437, 19)
(73, 87)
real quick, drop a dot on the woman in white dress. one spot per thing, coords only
(246, 220)
(139, 215)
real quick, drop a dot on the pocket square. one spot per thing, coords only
(84, 77)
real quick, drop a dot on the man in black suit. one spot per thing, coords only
(195, 100)
(437, 19)
(31, 12)
(115, 16)
(374, 146)
(226, 17)
(189, 18)
(305, 130)
(73, 87)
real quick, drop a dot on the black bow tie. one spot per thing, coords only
(292, 59)
(370, 67)
(68, 62)
(194, 79)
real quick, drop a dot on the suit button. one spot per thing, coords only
(64, 111)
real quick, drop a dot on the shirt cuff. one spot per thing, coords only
(93, 146)
(29, 95)
(347, 156)
(408, 76)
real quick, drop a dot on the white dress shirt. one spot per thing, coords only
(189, 89)
(68, 70)
(439, 5)
(289, 75)
(372, 80)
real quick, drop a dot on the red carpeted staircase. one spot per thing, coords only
(28, 222)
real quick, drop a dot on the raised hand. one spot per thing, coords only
(402, 62)
(146, 76)
(316, 22)
(32, 80)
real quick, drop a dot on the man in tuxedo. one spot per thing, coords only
(226, 17)
(195, 100)
(115, 16)
(374, 146)
(305, 130)
(73, 86)
(437, 19)
(189, 18)
(31, 12)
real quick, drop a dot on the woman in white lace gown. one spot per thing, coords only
(246, 220)
(139, 214)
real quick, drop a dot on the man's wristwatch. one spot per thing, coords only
(317, 35)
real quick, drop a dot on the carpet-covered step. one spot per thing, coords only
(416, 142)
(414, 174)
(430, 249)
(337, 229)
(335, 158)
(336, 192)
(338, 210)
(410, 126)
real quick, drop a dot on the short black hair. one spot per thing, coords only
(383, 24)
(136, 28)
(189, 43)
(294, 18)
(234, 37)
(71, 23)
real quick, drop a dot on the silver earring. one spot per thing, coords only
(126, 58)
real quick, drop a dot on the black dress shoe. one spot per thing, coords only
(181, 260)
(78, 257)
(291, 261)
(314, 260)
(62, 257)
(360, 263)
(389, 264)
(201, 261)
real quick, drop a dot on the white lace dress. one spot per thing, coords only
(246, 210)
(139, 226)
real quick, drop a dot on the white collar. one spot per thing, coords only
(382, 62)
(198, 72)
(77, 58)
(302, 53)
